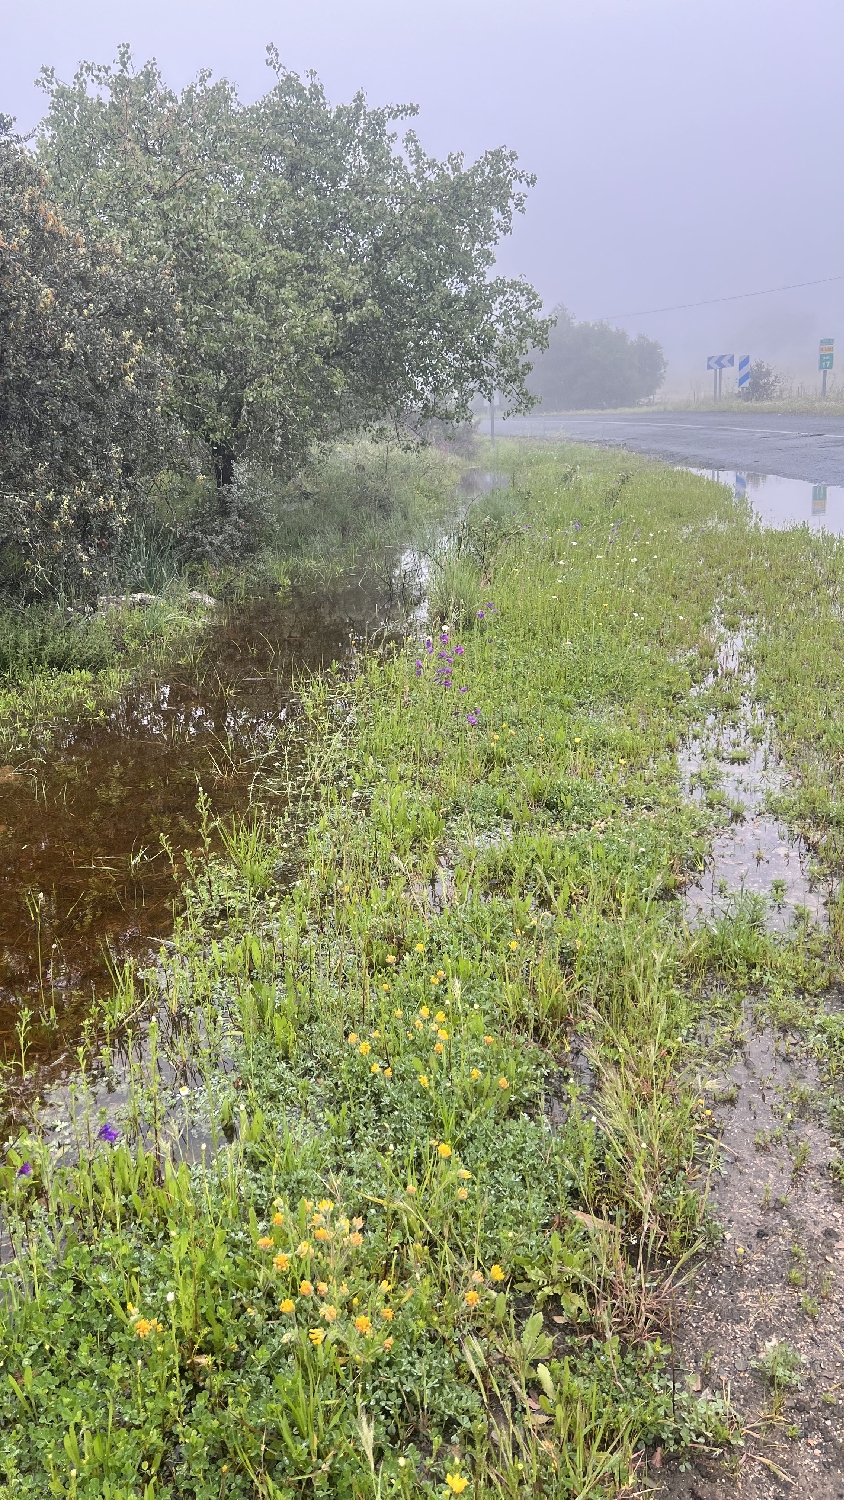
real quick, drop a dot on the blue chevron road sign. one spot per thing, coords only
(743, 371)
(720, 361)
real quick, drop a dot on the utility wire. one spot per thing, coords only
(710, 302)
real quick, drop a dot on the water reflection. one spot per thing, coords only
(92, 832)
(781, 502)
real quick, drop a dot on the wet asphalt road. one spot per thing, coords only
(799, 447)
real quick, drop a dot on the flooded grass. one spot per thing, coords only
(419, 1116)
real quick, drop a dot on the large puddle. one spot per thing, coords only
(781, 502)
(86, 874)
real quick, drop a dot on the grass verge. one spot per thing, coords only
(415, 1150)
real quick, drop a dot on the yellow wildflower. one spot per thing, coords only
(423, 1080)
(387, 1312)
(462, 1194)
(356, 1239)
(322, 1287)
(398, 1014)
(464, 1174)
(489, 1040)
(388, 1072)
(265, 1243)
(376, 1068)
(475, 1074)
(364, 1049)
(424, 1012)
(497, 1273)
(391, 958)
(329, 1313)
(353, 1038)
(477, 1276)
(435, 978)
(386, 989)
(321, 1234)
(281, 1262)
(472, 1299)
(443, 1035)
(278, 1218)
(306, 1288)
(287, 1306)
(316, 1336)
(388, 1344)
(363, 1324)
(444, 1150)
(438, 1047)
(503, 1084)
(440, 1016)
(420, 947)
(385, 1286)
(303, 1248)
(146, 1326)
(456, 1483)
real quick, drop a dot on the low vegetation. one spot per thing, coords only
(415, 1147)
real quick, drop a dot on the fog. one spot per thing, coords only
(685, 150)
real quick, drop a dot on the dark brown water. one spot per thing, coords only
(85, 873)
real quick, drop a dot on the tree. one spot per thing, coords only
(86, 348)
(766, 383)
(594, 365)
(326, 279)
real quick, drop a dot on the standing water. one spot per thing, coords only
(86, 874)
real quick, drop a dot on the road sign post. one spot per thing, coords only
(718, 363)
(826, 352)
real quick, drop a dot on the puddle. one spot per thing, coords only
(781, 502)
(754, 856)
(85, 878)
(483, 482)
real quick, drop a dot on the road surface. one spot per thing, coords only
(799, 447)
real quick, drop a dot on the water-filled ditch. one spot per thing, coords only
(87, 832)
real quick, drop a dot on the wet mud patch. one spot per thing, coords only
(764, 1321)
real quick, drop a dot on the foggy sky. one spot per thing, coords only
(685, 149)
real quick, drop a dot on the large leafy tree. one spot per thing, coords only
(86, 357)
(328, 277)
(596, 365)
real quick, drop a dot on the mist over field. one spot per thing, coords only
(684, 151)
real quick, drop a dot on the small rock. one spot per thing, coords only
(207, 601)
(108, 602)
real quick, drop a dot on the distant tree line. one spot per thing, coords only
(589, 365)
(191, 283)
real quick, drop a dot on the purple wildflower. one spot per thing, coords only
(429, 646)
(472, 719)
(464, 689)
(25, 1169)
(444, 636)
(458, 650)
(480, 614)
(108, 1133)
(418, 667)
(577, 525)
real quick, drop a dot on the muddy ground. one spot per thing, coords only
(776, 1275)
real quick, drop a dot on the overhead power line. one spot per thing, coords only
(647, 312)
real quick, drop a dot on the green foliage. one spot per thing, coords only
(85, 367)
(595, 365)
(326, 280)
(766, 383)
